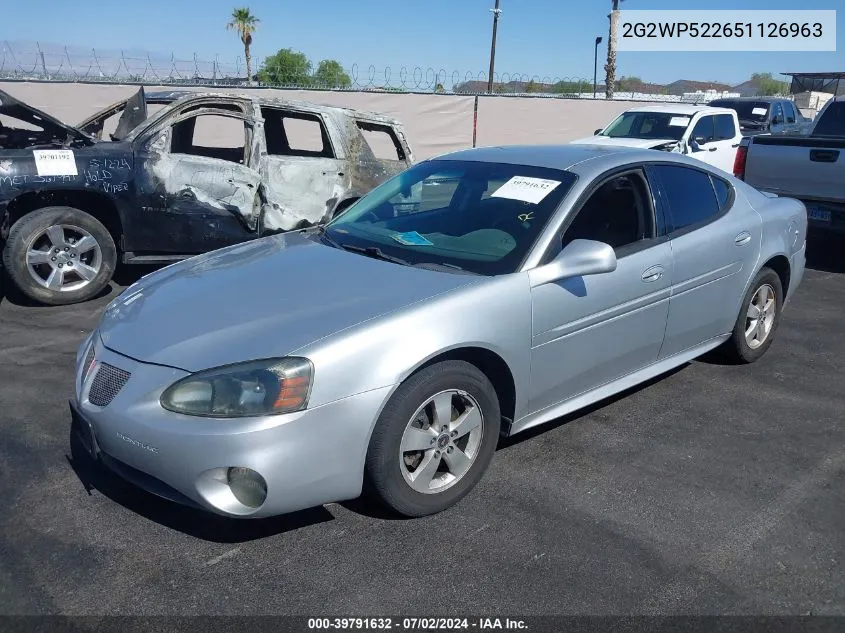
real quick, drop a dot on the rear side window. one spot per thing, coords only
(790, 112)
(832, 121)
(382, 140)
(725, 128)
(723, 191)
(689, 195)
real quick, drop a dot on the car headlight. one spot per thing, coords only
(263, 387)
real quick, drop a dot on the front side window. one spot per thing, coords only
(704, 129)
(649, 125)
(211, 135)
(477, 216)
(619, 213)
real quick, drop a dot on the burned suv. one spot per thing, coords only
(202, 172)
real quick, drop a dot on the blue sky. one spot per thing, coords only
(547, 38)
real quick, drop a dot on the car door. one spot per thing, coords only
(198, 187)
(726, 141)
(715, 241)
(704, 135)
(303, 169)
(777, 123)
(791, 122)
(588, 331)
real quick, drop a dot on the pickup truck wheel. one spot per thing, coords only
(758, 318)
(434, 439)
(59, 255)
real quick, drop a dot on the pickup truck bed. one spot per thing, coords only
(810, 168)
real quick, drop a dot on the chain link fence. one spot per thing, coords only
(33, 61)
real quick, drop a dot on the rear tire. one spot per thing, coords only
(59, 255)
(758, 318)
(434, 439)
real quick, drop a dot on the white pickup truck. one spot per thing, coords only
(809, 167)
(709, 134)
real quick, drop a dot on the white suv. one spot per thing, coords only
(706, 133)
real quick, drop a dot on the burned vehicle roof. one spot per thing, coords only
(135, 112)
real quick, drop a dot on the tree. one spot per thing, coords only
(531, 87)
(629, 84)
(439, 88)
(330, 74)
(286, 68)
(245, 24)
(610, 66)
(767, 85)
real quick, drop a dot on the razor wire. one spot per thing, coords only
(32, 61)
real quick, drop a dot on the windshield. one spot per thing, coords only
(477, 216)
(754, 111)
(656, 125)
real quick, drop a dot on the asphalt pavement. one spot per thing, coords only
(716, 489)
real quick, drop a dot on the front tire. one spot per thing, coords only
(758, 318)
(434, 439)
(59, 255)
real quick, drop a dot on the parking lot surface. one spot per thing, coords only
(715, 489)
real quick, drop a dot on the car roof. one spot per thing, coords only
(766, 99)
(563, 156)
(171, 96)
(674, 108)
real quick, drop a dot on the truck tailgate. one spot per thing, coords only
(799, 167)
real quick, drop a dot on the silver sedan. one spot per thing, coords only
(473, 296)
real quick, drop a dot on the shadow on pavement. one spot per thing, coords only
(197, 523)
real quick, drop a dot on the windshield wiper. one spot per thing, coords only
(374, 251)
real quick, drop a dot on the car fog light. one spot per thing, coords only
(247, 486)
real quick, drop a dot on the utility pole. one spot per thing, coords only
(595, 67)
(496, 12)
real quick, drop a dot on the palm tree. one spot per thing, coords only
(245, 24)
(610, 67)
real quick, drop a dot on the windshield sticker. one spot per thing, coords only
(526, 189)
(759, 111)
(679, 121)
(412, 238)
(55, 162)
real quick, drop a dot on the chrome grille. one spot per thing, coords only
(106, 384)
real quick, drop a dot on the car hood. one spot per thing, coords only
(641, 143)
(23, 112)
(263, 298)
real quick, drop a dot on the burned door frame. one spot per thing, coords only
(196, 210)
(302, 188)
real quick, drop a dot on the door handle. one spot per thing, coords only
(743, 238)
(823, 156)
(653, 274)
(712, 149)
(735, 145)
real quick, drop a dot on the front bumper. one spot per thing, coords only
(307, 458)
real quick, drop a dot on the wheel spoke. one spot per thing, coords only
(37, 257)
(56, 279)
(86, 244)
(769, 306)
(466, 422)
(749, 331)
(763, 296)
(422, 476)
(458, 462)
(416, 439)
(442, 410)
(753, 311)
(85, 271)
(56, 235)
(761, 331)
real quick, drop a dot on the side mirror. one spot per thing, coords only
(578, 258)
(597, 132)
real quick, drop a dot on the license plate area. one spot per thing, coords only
(84, 430)
(818, 214)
